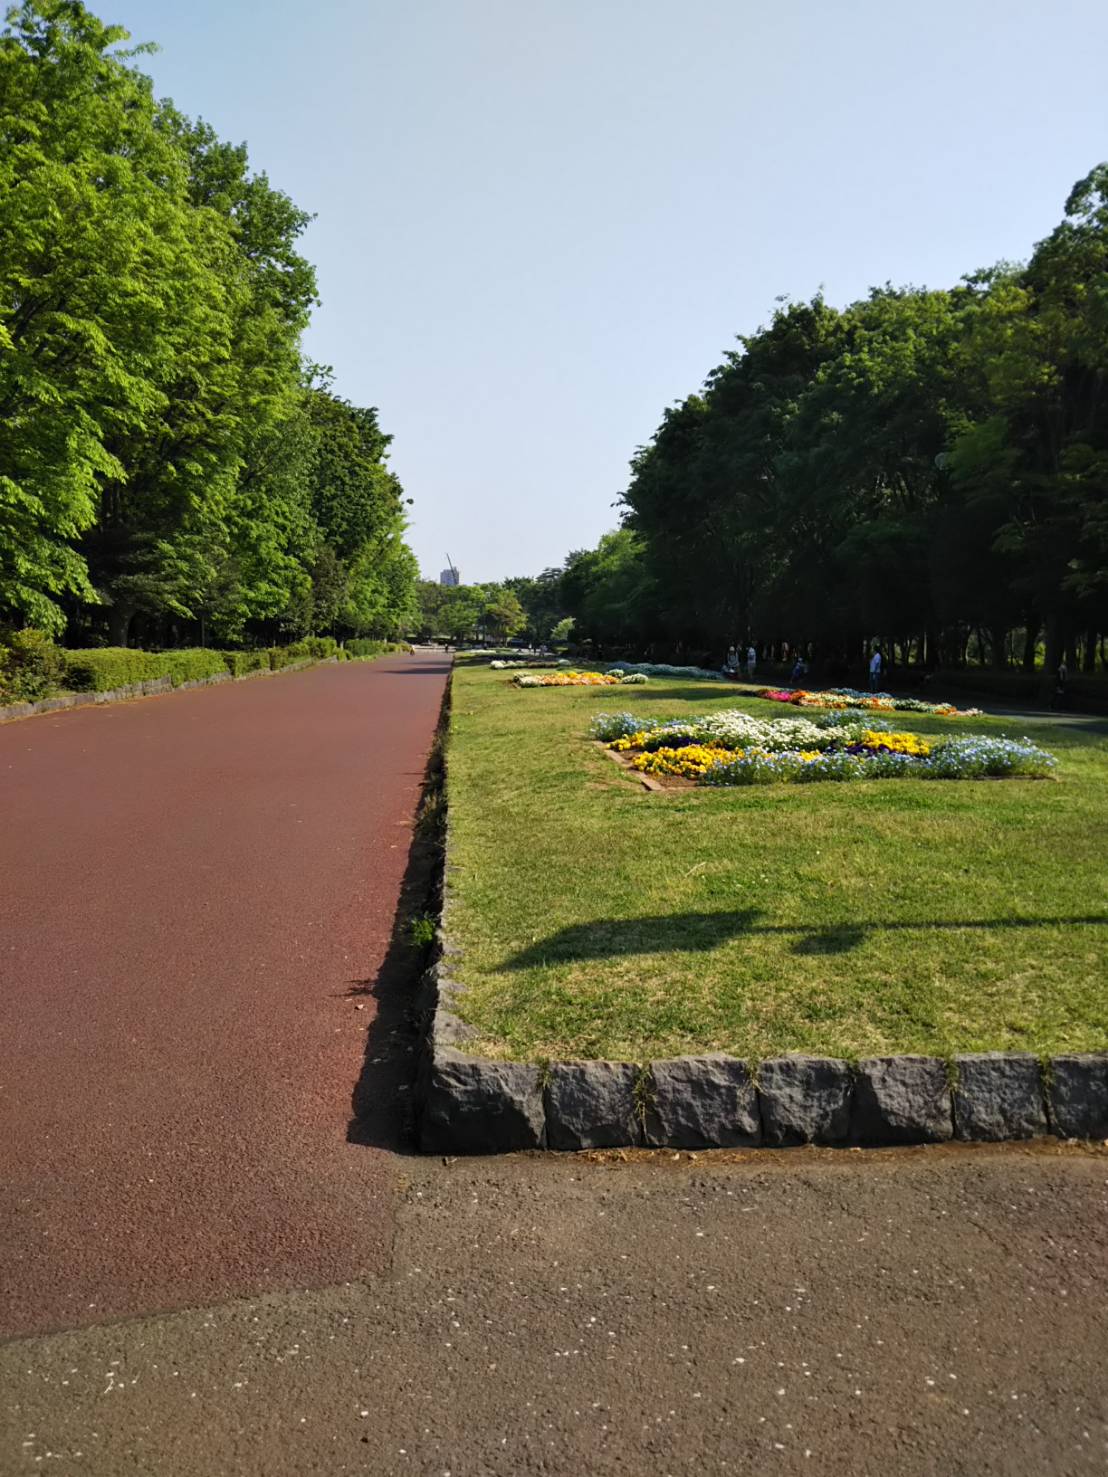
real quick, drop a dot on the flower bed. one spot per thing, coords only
(872, 702)
(577, 679)
(664, 669)
(515, 666)
(732, 748)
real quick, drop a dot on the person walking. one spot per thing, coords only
(731, 666)
(875, 669)
(751, 660)
(1060, 679)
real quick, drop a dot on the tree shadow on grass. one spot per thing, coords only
(609, 938)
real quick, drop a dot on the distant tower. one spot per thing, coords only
(450, 575)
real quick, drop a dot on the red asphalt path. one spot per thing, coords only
(189, 887)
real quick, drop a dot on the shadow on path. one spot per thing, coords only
(421, 668)
(383, 1100)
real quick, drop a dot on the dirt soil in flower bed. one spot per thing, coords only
(883, 916)
(648, 781)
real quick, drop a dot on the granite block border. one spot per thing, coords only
(478, 1105)
(156, 685)
(470, 1104)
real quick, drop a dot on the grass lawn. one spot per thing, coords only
(597, 919)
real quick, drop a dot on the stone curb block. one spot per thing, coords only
(1078, 1096)
(901, 1100)
(702, 1102)
(591, 1105)
(998, 1095)
(475, 1106)
(805, 1100)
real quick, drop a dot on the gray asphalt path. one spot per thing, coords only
(935, 1311)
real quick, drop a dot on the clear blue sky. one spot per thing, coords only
(542, 221)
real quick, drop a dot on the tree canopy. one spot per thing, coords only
(166, 455)
(923, 468)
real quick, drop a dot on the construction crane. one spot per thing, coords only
(453, 568)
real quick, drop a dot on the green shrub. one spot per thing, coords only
(310, 649)
(320, 647)
(105, 668)
(192, 664)
(239, 663)
(281, 656)
(31, 666)
(102, 669)
(363, 647)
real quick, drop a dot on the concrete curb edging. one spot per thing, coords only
(149, 688)
(477, 1105)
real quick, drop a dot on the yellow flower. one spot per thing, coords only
(690, 761)
(898, 743)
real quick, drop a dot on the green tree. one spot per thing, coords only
(541, 599)
(504, 616)
(95, 240)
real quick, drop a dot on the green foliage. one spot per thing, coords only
(319, 648)
(105, 668)
(310, 649)
(284, 656)
(241, 663)
(421, 931)
(504, 615)
(165, 455)
(31, 666)
(363, 647)
(611, 592)
(453, 612)
(541, 599)
(923, 469)
(365, 577)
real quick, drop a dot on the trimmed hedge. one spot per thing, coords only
(318, 648)
(239, 663)
(364, 646)
(103, 669)
(310, 649)
(31, 667)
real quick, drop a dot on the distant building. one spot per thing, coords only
(450, 577)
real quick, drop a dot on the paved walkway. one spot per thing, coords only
(930, 1313)
(191, 886)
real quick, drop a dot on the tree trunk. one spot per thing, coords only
(1031, 641)
(998, 636)
(119, 623)
(1089, 664)
(1055, 643)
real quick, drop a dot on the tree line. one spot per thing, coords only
(172, 468)
(924, 469)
